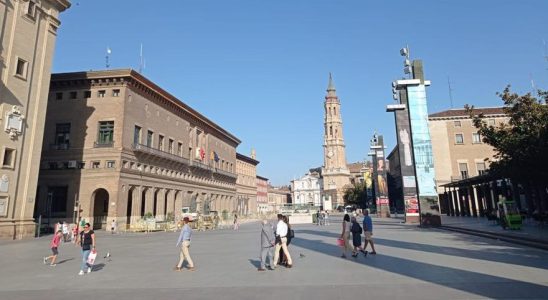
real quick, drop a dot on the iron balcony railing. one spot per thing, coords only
(226, 173)
(63, 146)
(157, 152)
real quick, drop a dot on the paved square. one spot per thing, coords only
(411, 263)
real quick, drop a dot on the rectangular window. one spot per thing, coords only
(161, 142)
(170, 146)
(476, 138)
(463, 167)
(81, 164)
(106, 133)
(111, 164)
(57, 200)
(95, 164)
(116, 93)
(101, 93)
(137, 135)
(73, 95)
(21, 68)
(180, 149)
(459, 139)
(8, 159)
(457, 123)
(480, 166)
(58, 96)
(62, 135)
(87, 94)
(198, 137)
(31, 9)
(150, 138)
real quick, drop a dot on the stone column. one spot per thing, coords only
(473, 200)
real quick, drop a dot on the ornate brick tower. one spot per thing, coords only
(335, 173)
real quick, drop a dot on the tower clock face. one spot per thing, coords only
(330, 153)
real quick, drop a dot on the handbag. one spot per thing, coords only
(291, 234)
(91, 257)
(340, 242)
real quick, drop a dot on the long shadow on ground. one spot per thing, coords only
(476, 283)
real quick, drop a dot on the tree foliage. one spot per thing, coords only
(356, 195)
(521, 145)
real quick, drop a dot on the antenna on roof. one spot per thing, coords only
(533, 87)
(141, 60)
(450, 91)
(107, 57)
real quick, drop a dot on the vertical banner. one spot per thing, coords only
(407, 169)
(379, 175)
(422, 150)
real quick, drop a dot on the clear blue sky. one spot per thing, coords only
(260, 68)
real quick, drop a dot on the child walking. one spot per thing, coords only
(55, 241)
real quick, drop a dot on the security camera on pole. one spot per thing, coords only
(414, 144)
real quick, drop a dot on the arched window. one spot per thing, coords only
(330, 111)
(331, 130)
(335, 111)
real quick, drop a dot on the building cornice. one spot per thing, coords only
(247, 159)
(147, 89)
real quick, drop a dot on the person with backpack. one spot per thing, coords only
(356, 231)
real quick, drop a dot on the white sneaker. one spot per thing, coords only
(81, 272)
(45, 260)
(89, 270)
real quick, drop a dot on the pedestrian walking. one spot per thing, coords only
(54, 245)
(86, 239)
(290, 235)
(345, 236)
(74, 233)
(267, 243)
(65, 228)
(281, 242)
(326, 218)
(236, 225)
(58, 227)
(184, 242)
(113, 226)
(368, 232)
(356, 230)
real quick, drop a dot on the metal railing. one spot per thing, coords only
(226, 173)
(63, 146)
(160, 153)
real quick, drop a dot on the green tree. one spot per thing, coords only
(357, 195)
(521, 145)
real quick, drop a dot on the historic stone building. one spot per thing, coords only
(119, 147)
(246, 185)
(307, 190)
(335, 173)
(278, 197)
(262, 195)
(457, 147)
(28, 30)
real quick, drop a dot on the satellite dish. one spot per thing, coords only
(403, 51)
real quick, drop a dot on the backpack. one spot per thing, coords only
(356, 228)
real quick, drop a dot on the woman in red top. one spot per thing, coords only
(55, 241)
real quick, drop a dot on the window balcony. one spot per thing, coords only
(225, 173)
(200, 165)
(159, 153)
(103, 144)
(63, 146)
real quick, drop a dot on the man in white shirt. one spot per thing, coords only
(281, 242)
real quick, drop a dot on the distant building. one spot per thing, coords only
(246, 185)
(28, 32)
(278, 197)
(262, 195)
(307, 190)
(357, 171)
(457, 147)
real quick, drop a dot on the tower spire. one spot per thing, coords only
(331, 85)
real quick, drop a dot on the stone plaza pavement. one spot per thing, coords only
(411, 263)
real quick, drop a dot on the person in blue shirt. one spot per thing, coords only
(368, 232)
(184, 240)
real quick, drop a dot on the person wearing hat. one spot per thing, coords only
(184, 238)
